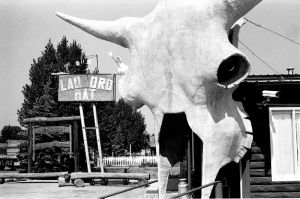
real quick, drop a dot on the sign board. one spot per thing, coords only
(86, 88)
(52, 129)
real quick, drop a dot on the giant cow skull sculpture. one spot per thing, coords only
(182, 62)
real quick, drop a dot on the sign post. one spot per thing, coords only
(98, 137)
(86, 148)
(88, 88)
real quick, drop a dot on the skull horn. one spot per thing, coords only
(234, 32)
(113, 31)
(241, 7)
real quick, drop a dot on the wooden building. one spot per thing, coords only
(271, 169)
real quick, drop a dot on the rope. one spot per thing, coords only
(260, 59)
(272, 31)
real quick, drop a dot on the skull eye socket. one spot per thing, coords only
(233, 70)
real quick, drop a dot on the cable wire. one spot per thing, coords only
(260, 59)
(272, 31)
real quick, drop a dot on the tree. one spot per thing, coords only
(44, 105)
(120, 126)
(12, 132)
(40, 96)
(130, 128)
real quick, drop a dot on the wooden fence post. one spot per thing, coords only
(29, 158)
(75, 145)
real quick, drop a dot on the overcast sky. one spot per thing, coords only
(27, 25)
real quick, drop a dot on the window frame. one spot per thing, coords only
(285, 177)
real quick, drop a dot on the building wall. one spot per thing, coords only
(261, 184)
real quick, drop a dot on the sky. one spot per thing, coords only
(27, 25)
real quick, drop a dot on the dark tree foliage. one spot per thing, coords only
(40, 96)
(50, 160)
(12, 133)
(130, 126)
(120, 126)
(45, 105)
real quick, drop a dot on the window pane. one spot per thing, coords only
(282, 136)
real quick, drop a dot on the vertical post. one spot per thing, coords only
(33, 144)
(114, 87)
(189, 163)
(219, 190)
(97, 64)
(75, 145)
(98, 137)
(193, 152)
(30, 148)
(244, 167)
(70, 140)
(85, 139)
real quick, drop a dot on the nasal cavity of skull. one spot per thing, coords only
(173, 137)
(232, 71)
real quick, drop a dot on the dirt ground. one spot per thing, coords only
(50, 190)
(37, 189)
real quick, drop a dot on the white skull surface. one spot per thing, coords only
(183, 62)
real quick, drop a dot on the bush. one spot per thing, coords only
(51, 159)
(50, 155)
(12, 133)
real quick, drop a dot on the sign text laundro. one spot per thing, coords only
(86, 88)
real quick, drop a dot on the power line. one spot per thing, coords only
(260, 59)
(272, 31)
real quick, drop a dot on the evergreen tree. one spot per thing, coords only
(11, 132)
(45, 105)
(40, 96)
(130, 128)
(120, 125)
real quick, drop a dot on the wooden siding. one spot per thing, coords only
(249, 93)
(261, 184)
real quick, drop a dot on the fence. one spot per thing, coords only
(129, 161)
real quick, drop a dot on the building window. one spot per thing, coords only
(285, 143)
